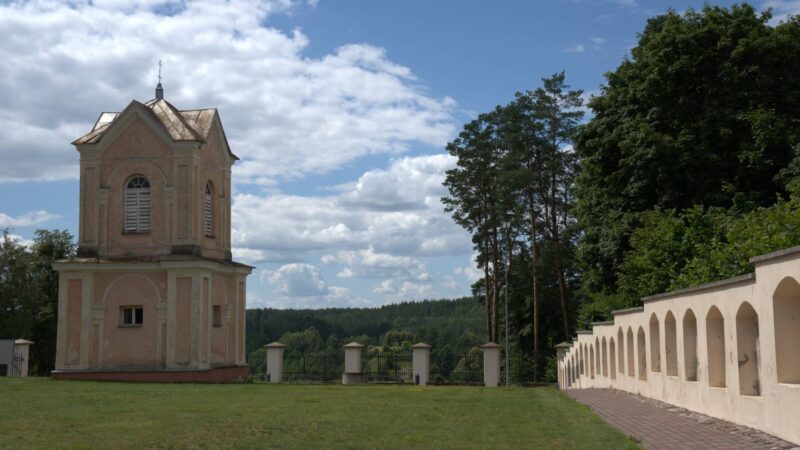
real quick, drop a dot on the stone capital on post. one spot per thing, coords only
(274, 367)
(491, 364)
(421, 363)
(352, 363)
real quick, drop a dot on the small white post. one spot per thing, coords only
(352, 363)
(275, 362)
(421, 363)
(491, 364)
(21, 351)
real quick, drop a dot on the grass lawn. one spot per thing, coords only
(44, 413)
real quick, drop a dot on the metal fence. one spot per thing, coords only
(388, 367)
(313, 367)
(466, 368)
(394, 367)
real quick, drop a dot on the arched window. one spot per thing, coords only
(137, 205)
(208, 211)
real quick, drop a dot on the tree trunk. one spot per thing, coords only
(535, 288)
(486, 288)
(557, 245)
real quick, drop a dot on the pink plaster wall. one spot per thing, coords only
(131, 346)
(177, 186)
(74, 306)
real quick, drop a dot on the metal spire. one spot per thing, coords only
(159, 89)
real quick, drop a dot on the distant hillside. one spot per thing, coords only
(447, 325)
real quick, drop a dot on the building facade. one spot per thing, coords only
(153, 294)
(729, 349)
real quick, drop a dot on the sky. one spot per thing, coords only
(340, 111)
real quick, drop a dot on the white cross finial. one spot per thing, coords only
(159, 71)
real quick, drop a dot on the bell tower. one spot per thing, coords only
(154, 289)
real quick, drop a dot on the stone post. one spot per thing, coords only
(491, 364)
(275, 362)
(21, 349)
(353, 372)
(561, 351)
(421, 363)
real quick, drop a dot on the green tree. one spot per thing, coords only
(704, 112)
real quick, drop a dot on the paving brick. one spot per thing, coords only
(657, 425)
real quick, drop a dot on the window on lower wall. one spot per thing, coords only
(131, 316)
(217, 315)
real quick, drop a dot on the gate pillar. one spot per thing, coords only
(421, 362)
(491, 364)
(275, 362)
(353, 372)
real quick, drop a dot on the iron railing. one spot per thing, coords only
(388, 367)
(466, 368)
(313, 367)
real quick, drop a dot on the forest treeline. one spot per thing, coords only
(449, 326)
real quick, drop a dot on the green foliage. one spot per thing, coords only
(704, 112)
(676, 249)
(29, 293)
(450, 326)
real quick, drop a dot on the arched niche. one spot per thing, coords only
(655, 344)
(620, 351)
(598, 363)
(591, 361)
(671, 344)
(642, 353)
(715, 346)
(629, 356)
(612, 359)
(690, 345)
(786, 310)
(604, 351)
(747, 347)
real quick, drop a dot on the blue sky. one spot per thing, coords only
(340, 111)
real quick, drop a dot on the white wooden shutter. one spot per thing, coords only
(137, 205)
(208, 211)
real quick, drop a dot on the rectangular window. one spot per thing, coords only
(217, 315)
(131, 316)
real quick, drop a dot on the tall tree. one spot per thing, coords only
(706, 111)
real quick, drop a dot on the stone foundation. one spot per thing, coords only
(235, 374)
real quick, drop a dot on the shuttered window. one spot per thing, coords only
(137, 205)
(208, 211)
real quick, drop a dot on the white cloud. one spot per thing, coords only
(298, 280)
(577, 48)
(286, 115)
(19, 240)
(369, 264)
(782, 9)
(28, 219)
(470, 272)
(405, 290)
(396, 211)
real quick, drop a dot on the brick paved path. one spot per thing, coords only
(657, 425)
